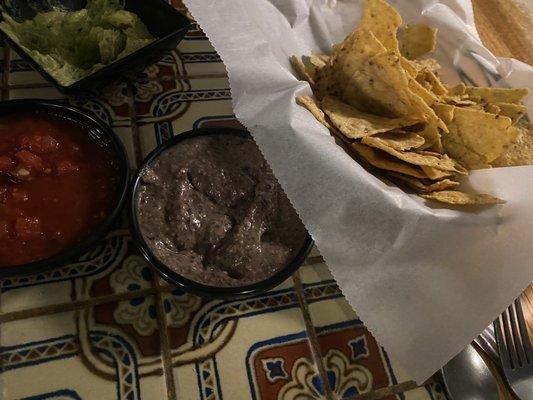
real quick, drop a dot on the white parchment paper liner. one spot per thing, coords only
(424, 281)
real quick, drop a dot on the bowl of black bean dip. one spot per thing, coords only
(208, 214)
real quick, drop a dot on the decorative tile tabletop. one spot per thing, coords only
(106, 327)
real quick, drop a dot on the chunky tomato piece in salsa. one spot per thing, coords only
(56, 184)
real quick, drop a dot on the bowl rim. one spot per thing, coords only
(80, 117)
(178, 279)
(81, 83)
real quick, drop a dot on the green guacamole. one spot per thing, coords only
(70, 45)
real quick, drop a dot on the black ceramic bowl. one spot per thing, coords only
(179, 280)
(109, 142)
(163, 21)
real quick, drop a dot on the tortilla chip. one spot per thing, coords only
(325, 82)
(356, 124)
(382, 160)
(400, 141)
(426, 85)
(467, 157)
(319, 60)
(381, 87)
(409, 67)
(458, 100)
(497, 95)
(472, 98)
(347, 57)
(383, 20)
(375, 82)
(417, 40)
(442, 162)
(431, 135)
(441, 185)
(426, 95)
(428, 64)
(314, 109)
(436, 174)
(429, 79)
(458, 167)
(477, 138)
(423, 185)
(444, 112)
(461, 198)
(304, 73)
(456, 90)
(513, 111)
(492, 109)
(519, 153)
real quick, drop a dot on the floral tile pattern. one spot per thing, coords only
(341, 333)
(226, 356)
(90, 353)
(106, 327)
(195, 114)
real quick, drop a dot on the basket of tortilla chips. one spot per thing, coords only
(375, 92)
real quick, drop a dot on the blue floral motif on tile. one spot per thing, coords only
(344, 379)
(145, 87)
(220, 313)
(134, 275)
(140, 312)
(275, 369)
(359, 347)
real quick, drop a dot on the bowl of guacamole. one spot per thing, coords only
(76, 48)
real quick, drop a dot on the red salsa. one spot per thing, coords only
(56, 184)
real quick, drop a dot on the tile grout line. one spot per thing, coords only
(78, 304)
(164, 341)
(39, 85)
(313, 260)
(72, 306)
(385, 391)
(156, 288)
(317, 354)
(312, 336)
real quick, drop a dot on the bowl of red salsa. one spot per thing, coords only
(63, 181)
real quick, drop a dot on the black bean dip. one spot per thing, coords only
(211, 210)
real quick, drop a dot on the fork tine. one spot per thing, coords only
(500, 341)
(509, 339)
(487, 342)
(517, 336)
(526, 341)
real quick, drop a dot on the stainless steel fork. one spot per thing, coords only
(516, 351)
